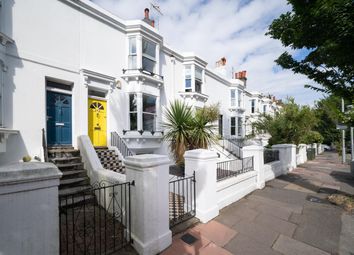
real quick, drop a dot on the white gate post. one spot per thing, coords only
(257, 152)
(287, 156)
(203, 162)
(149, 202)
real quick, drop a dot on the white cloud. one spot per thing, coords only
(231, 28)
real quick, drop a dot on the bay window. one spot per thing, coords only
(132, 58)
(188, 78)
(239, 98)
(142, 112)
(253, 106)
(133, 111)
(233, 126)
(193, 78)
(198, 79)
(149, 112)
(239, 126)
(233, 98)
(149, 56)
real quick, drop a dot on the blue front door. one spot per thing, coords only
(58, 118)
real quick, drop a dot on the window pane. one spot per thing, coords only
(148, 121)
(220, 125)
(233, 126)
(188, 83)
(239, 98)
(132, 46)
(198, 86)
(148, 65)
(233, 121)
(233, 97)
(188, 72)
(149, 48)
(198, 73)
(149, 104)
(132, 103)
(132, 62)
(133, 121)
(239, 125)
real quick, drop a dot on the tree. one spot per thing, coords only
(188, 129)
(325, 28)
(290, 125)
(327, 111)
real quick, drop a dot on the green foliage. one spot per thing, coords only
(186, 129)
(326, 29)
(289, 125)
(312, 137)
(327, 111)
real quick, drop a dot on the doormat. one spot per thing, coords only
(317, 200)
(189, 239)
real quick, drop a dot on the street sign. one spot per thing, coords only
(341, 127)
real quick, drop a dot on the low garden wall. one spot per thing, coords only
(272, 170)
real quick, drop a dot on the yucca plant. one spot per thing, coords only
(185, 129)
(178, 126)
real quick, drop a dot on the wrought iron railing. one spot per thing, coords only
(45, 146)
(270, 155)
(232, 168)
(232, 147)
(182, 199)
(95, 221)
(118, 142)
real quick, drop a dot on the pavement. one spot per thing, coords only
(291, 215)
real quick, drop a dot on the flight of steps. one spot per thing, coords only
(110, 159)
(74, 180)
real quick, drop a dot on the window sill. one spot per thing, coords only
(140, 74)
(194, 95)
(237, 109)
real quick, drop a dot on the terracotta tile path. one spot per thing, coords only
(281, 218)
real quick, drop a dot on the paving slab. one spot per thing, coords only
(243, 245)
(320, 226)
(276, 224)
(295, 218)
(269, 201)
(276, 211)
(216, 232)
(346, 242)
(282, 195)
(301, 188)
(289, 246)
(257, 232)
(212, 249)
(277, 183)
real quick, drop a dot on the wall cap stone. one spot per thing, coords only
(200, 154)
(146, 160)
(253, 148)
(284, 146)
(28, 172)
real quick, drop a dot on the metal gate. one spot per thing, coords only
(182, 199)
(95, 221)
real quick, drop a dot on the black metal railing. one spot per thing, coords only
(232, 168)
(96, 221)
(45, 146)
(232, 147)
(182, 199)
(270, 155)
(141, 132)
(118, 142)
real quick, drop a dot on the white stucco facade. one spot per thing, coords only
(87, 52)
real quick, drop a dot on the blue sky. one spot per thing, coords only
(231, 28)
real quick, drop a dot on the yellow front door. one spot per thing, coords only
(97, 122)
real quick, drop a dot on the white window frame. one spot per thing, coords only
(239, 126)
(201, 79)
(132, 54)
(132, 112)
(239, 98)
(144, 55)
(233, 98)
(186, 67)
(149, 113)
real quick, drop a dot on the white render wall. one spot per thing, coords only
(79, 43)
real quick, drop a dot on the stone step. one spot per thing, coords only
(69, 174)
(70, 166)
(73, 190)
(65, 159)
(63, 153)
(70, 181)
(70, 202)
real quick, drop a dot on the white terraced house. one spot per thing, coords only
(70, 68)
